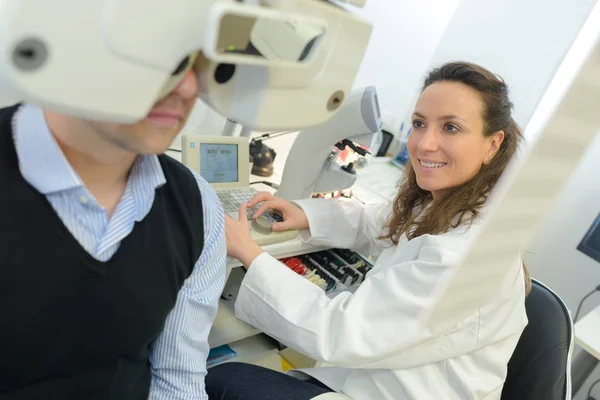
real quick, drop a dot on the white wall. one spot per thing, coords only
(522, 41)
(405, 36)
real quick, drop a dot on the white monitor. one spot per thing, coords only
(565, 123)
(224, 161)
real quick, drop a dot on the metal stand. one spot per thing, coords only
(245, 132)
(230, 128)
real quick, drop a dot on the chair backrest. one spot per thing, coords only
(540, 367)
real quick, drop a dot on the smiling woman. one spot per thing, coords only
(462, 139)
(449, 149)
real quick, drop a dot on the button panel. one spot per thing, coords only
(332, 270)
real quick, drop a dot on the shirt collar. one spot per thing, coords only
(41, 160)
(145, 177)
(43, 164)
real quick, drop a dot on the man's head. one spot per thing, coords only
(151, 135)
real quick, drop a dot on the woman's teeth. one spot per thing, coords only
(431, 165)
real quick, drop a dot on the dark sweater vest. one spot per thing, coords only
(72, 327)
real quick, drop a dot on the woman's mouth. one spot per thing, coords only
(431, 164)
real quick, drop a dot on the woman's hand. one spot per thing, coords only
(293, 216)
(239, 241)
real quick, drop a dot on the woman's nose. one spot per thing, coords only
(429, 141)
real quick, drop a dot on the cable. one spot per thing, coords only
(175, 150)
(589, 395)
(583, 300)
(271, 184)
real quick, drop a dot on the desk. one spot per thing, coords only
(587, 336)
(587, 333)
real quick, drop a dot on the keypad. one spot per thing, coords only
(232, 199)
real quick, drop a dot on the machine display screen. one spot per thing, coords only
(219, 162)
(590, 245)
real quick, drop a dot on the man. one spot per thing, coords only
(112, 259)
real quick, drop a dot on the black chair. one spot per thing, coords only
(540, 368)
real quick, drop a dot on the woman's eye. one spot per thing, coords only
(418, 124)
(451, 128)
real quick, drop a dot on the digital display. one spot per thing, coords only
(590, 245)
(219, 162)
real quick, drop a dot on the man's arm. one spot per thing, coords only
(178, 357)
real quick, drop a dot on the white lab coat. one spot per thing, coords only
(365, 334)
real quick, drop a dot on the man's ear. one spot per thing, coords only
(494, 142)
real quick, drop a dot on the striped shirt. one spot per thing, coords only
(178, 357)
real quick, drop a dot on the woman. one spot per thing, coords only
(463, 136)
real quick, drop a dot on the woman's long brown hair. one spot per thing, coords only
(461, 204)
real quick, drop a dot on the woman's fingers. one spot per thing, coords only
(260, 196)
(264, 207)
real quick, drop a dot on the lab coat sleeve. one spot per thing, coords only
(344, 224)
(368, 329)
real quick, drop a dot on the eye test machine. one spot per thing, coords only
(310, 167)
(224, 162)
